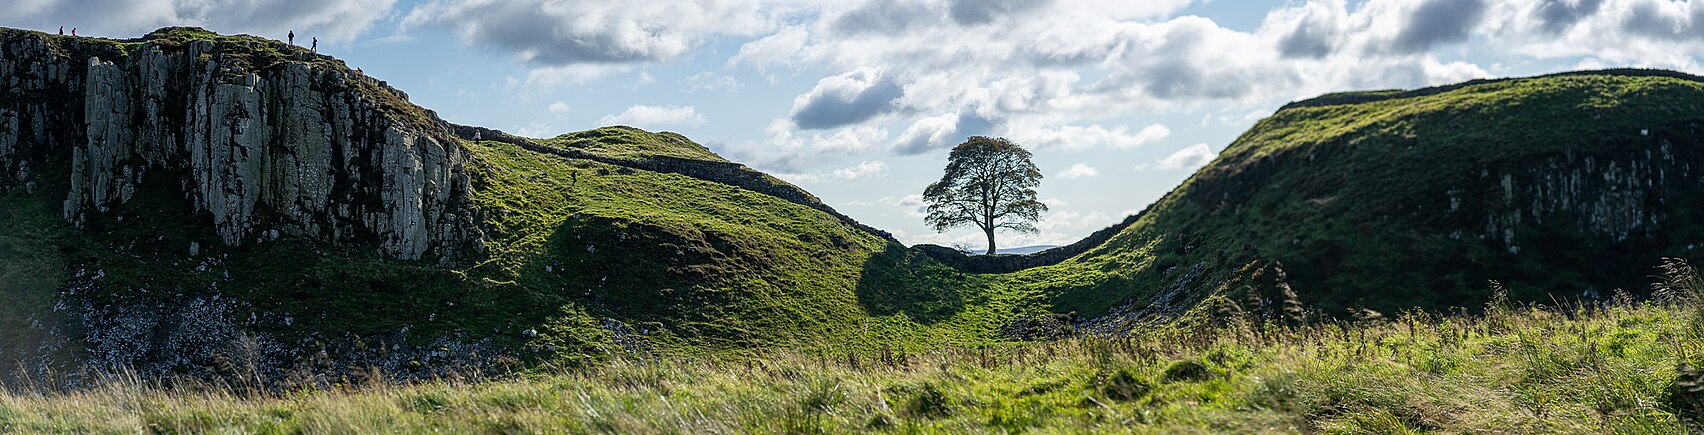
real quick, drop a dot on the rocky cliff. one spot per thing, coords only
(264, 138)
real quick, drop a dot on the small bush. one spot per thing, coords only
(822, 395)
(928, 402)
(1125, 386)
(1187, 370)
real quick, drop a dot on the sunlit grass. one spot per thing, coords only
(1513, 370)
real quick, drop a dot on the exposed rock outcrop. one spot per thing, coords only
(299, 147)
(40, 105)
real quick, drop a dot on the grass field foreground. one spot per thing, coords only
(1624, 367)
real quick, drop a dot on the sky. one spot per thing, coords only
(859, 101)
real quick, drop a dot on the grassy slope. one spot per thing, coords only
(574, 244)
(715, 263)
(1612, 369)
(1351, 226)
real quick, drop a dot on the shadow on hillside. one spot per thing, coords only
(900, 280)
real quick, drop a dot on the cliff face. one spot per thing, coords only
(295, 147)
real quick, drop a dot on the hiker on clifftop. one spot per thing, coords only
(315, 48)
(61, 30)
(73, 31)
(292, 37)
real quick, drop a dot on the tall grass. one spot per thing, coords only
(1622, 367)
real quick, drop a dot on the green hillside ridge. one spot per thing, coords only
(1355, 201)
(632, 143)
(710, 261)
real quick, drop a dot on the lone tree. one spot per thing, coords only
(989, 182)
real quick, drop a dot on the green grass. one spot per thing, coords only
(725, 266)
(634, 144)
(1524, 369)
(1353, 200)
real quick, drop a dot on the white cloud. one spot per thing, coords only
(546, 78)
(1069, 220)
(1127, 10)
(1077, 137)
(1051, 74)
(776, 49)
(851, 140)
(863, 170)
(1640, 33)
(1080, 170)
(850, 98)
(537, 129)
(941, 131)
(644, 116)
(914, 205)
(930, 132)
(712, 81)
(557, 109)
(1056, 74)
(577, 32)
(1189, 158)
(390, 39)
(789, 150)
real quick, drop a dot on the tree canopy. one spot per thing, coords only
(989, 182)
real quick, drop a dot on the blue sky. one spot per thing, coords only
(858, 101)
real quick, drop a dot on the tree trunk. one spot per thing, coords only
(990, 232)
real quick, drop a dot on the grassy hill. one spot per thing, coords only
(632, 143)
(712, 264)
(588, 254)
(1566, 187)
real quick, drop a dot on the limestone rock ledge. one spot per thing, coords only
(303, 147)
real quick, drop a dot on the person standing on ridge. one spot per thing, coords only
(73, 31)
(61, 30)
(292, 37)
(315, 47)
